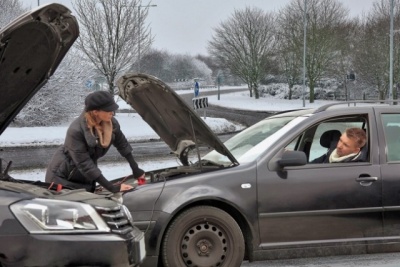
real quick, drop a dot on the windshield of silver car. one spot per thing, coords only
(248, 139)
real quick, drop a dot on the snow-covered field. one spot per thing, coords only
(136, 129)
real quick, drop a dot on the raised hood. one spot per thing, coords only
(31, 48)
(169, 116)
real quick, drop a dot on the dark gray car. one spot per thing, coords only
(43, 224)
(257, 196)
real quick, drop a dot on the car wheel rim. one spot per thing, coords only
(204, 245)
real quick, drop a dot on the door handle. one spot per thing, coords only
(366, 180)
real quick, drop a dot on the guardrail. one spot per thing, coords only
(183, 87)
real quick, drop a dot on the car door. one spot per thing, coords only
(389, 138)
(332, 203)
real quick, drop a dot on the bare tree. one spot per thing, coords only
(210, 62)
(244, 43)
(290, 47)
(342, 67)
(372, 53)
(290, 64)
(324, 22)
(113, 32)
(62, 98)
(9, 10)
(170, 67)
(155, 63)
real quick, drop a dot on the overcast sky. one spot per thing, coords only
(186, 26)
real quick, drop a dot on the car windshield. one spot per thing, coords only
(249, 139)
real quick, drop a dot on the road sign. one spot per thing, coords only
(89, 83)
(196, 89)
(200, 102)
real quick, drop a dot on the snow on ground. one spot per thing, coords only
(136, 129)
(242, 101)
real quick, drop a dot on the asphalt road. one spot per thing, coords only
(371, 260)
(243, 117)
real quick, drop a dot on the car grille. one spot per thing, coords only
(116, 219)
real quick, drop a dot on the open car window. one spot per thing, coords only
(309, 141)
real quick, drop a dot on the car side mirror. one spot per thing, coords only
(292, 158)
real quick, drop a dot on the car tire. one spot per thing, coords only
(203, 236)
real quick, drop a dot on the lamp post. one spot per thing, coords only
(140, 26)
(219, 79)
(391, 52)
(304, 50)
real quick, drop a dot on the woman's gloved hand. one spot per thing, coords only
(141, 180)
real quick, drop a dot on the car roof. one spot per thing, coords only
(358, 104)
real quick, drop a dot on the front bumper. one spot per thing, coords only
(73, 250)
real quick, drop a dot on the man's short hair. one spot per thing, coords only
(358, 135)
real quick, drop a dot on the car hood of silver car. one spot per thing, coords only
(31, 48)
(171, 118)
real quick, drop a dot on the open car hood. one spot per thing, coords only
(31, 48)
(169, 116)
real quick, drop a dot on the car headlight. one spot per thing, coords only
(127, 214)
(58, 216)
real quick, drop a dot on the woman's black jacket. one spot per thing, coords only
(75, 163)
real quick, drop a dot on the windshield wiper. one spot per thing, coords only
(4, 174)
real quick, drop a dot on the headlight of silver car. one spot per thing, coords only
(41, 216)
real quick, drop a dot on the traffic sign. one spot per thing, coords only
(200, 102)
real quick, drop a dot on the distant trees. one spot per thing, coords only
(372, 51)
(290, 58)
(9, 10)
(325, 20)
(62, 98)
(170, 67)
(342, 65)
(251, 44)
(112, 32)
(156, 63)
(244, 44)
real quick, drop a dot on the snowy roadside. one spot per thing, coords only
(133, 126)
(136, 129)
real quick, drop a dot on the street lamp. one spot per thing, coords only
(391, 52)
(304, 51)
(140, 26)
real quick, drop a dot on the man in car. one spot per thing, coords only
(348, 148)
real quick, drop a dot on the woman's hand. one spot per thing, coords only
(125, 187)
(142, 179)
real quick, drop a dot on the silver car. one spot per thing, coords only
(43, 224)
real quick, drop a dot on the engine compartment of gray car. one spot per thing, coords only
(183, 171)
